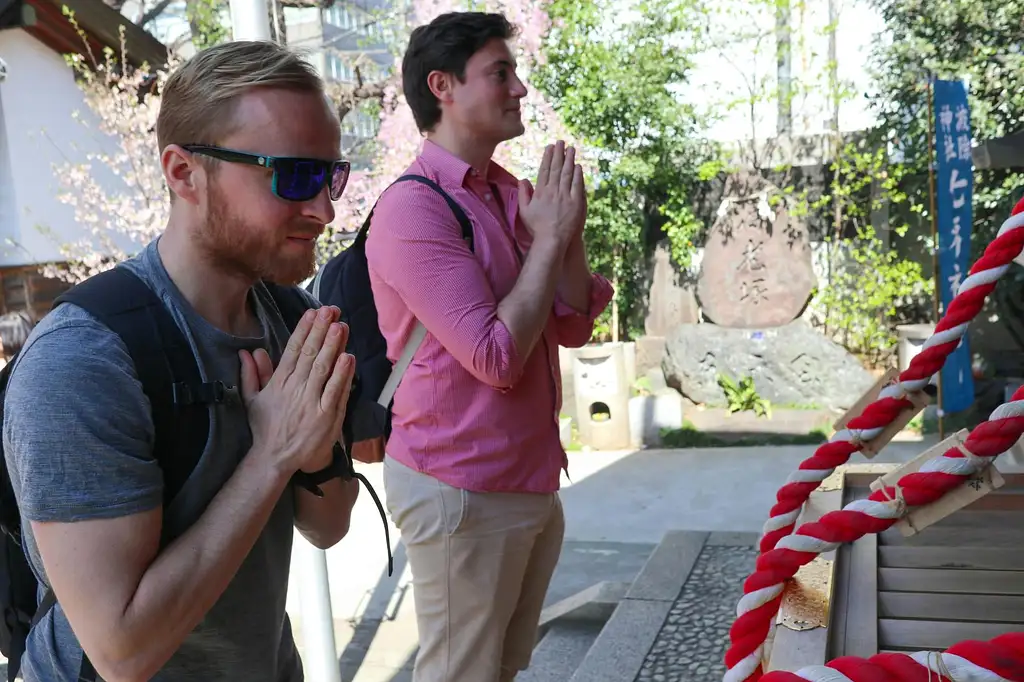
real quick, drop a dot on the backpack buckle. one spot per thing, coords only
(211, 392)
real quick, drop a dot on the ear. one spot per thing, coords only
(440, 83)
(184, 175)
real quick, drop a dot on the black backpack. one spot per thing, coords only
(344, 281)
(167, 369)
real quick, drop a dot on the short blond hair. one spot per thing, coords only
(197, 101)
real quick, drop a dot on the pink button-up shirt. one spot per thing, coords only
(471, 410)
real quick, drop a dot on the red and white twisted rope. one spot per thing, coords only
(880, 510)
(968, 302)
(998, 660)
(782, 553)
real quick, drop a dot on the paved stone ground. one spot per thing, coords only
(692, 643)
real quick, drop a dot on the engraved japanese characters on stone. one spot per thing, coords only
(756, 271)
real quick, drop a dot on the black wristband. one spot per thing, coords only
(340, 467)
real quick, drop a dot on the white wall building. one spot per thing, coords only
(38, 100)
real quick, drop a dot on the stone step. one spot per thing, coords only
(560, 651)
(592, 606)
(654, 603)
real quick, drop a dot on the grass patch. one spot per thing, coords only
(952, 423)
(690, 437)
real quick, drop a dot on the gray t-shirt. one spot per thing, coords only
(78, 437)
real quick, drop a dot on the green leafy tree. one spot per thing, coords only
(953, 39)
(205, 19)
(978, 41)
(867, 288)
(615, 89)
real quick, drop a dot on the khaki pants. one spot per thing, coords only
(481, 564)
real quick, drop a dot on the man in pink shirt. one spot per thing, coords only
(474, 458)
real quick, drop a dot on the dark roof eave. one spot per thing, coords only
(103, 23)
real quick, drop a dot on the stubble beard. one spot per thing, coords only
(234, 246)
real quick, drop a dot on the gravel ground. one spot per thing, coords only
(692, 643)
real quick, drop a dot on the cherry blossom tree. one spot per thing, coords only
(120, 198)
(399, 141)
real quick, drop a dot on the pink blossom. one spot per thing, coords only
(399, 141)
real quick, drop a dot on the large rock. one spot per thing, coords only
(792, 364)
(756, 270)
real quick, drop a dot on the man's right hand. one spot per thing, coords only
(297, 416)
(556, 208)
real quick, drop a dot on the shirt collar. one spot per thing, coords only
(454, 170)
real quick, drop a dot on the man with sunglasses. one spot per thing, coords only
(194, 588)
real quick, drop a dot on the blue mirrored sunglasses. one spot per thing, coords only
(295, 179)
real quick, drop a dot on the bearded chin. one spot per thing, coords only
(233, 246)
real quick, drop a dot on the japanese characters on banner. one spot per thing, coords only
(954, 185)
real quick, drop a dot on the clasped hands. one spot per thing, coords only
(296, 411)
(556, 208)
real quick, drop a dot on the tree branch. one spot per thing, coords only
(153, 12)
(348, 97)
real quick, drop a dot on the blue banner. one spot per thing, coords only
(954, 186)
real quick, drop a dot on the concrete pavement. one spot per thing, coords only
(618, 505)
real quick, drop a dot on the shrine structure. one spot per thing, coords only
(866, 573)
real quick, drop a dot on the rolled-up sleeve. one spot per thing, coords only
(416, 248)
(574, 327)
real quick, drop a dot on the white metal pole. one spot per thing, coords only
(320, 657)
(250, 20)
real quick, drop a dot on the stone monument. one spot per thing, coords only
(757, 268)
(755, 282)
(670, 302)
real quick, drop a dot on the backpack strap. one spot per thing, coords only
(411, 346)
(460, 214)
(167, 369)
(419, 332)
(293, 305)
(164, 362)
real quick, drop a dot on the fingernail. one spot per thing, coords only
(325, 313)
(334, 331)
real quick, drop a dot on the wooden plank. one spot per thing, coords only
(970, 490)
(862, 607)
(952, 581)
(980, 519)
(936, 634)
(792, 648)
(997, 501)
(953, 607)
(840, 605)
(1014, 480)
(953, 536)
(979, 558)
(839, 608)
(919, 400)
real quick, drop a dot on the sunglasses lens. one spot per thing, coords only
(339, 178)
(301, 180)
